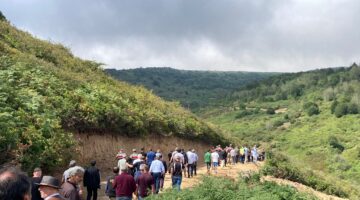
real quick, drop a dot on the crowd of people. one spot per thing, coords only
(139, 174)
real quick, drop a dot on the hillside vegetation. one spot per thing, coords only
(46, 93)
(193, 89)
(309, 121)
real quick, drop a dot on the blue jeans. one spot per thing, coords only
(123, 198)
(176, 182)
(157, 177)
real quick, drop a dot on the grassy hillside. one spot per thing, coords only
(310, 122)
(46, 93)
(193, 89)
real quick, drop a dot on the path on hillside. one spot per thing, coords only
(232, 171)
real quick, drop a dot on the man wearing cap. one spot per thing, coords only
(92, 180)
(37, 176)
(49, 188)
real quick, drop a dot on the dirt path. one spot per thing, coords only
(231, 171)
(301, 188)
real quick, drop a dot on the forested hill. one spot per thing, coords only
(46, 93)
(193, 89)
(310, 121)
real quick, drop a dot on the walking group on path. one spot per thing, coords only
(135, 176)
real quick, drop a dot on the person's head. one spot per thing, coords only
(116, 170)
(72, 163)
(134, 150)
(93, 163)
(140, 156)
(150, 149)
(178, 150)
(142, 149)
(14, 185)
(144, 168)
(76, 174)
(49, 185)
(158, 151)
(37, 172)
(193, 150)
(157, 157)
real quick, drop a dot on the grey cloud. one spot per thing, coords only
(259, 35)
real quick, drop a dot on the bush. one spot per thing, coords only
(279, 166)
(243, 113)
(341, 109)
(335, 144)
(270, 111)
(311, 108)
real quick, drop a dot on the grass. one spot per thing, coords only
(217, 188)
(312, 144)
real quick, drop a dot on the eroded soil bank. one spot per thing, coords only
(103, 148)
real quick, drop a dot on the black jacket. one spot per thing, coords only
(92, 177)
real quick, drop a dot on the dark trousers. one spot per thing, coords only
(194, 167)
(91, 192)
(190, 168)
(157, 177)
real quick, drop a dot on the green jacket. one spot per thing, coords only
(207, 157)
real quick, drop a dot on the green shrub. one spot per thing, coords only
(311, 108)
(341, 110)
(270, 111)
(335, 144)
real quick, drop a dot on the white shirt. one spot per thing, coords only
(191, 157)
(214, 157)
(157, 167)
(233, 152)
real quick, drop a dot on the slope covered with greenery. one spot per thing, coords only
(309, 120)
(193, 89)
(219, 188)
(46, 93)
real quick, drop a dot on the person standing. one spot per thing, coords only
(233, 156)
(92, 180)
(124, 185)
(157, 169)
(254, 154)
(191, 159)
(70, 189)
(207, 160)
(66, 172)
(37, 176)
(162, 178)
(16, 183)
(215, 160)
(145, 183)
(196, 160)
(150, 156)
(49, 188)
(109, 190)
(175, 170)
(122, 164)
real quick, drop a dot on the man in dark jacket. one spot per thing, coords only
(37, 176)
(92, 180)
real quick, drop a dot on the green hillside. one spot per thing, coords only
(309, 121)
(193, 89)
(46, 93)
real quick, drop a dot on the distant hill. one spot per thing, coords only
(193, 89)
(46, 94)
(309, 120)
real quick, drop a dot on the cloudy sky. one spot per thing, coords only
(232, 35)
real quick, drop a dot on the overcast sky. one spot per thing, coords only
(232, 35)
